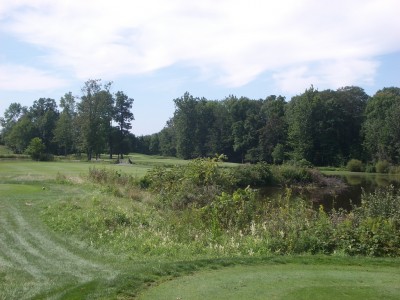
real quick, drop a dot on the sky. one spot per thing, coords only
(156, 50)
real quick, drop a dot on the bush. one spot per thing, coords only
(258, 175)
(196, 183)
(228, 211)
(355, 165)
(382, 166)
(291, 174)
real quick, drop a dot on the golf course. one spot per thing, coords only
(89, 230)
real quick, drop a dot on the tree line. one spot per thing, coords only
(327, 127)
(98, 123)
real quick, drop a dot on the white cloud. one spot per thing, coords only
(326, 74)
(231, 42)
(22, 78)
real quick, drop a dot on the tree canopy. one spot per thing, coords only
(328, 127)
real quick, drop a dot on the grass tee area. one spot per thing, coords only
(80, 230)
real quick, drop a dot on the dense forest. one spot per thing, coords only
(320, 127)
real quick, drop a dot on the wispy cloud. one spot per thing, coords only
(230, 42)
(22, 78)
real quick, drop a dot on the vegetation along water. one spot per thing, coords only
(100, 230)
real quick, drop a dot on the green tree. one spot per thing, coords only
(382, 127)
(299, 116)
(167, 139)
(94, 116)
(44, 115)
(246, 125)
(274, 131)
(123, 117)
(11, 116)
(20, 134)
(65, 131)
(185, 125)
(36, 149)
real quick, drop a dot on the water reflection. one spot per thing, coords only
(341, 196)
(351, 194)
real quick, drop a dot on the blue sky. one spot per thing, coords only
(156, 50)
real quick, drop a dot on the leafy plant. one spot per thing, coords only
(355, 165)
(36, 149)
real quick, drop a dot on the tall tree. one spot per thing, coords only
(382, 126)
(44, 115)
(20, 134)
(65, 131)
(185, 125)
(274, 130)
(123, 117)
(167, 139)
(94, 116)
(11, 116)
(300, 118)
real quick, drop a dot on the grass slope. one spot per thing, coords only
(39, 263)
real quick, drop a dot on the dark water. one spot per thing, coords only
(344, 195)
(355, 184)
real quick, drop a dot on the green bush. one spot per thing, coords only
(36, 149)
(382, 166)
(288, 174)
(196, 183)
(236, 210)
(355, 165)
(257, 175)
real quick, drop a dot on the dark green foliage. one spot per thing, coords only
(323, 127)
(382, 127)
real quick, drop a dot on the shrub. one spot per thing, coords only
(291, 174)
(382, 166)
(236, 210)
(196, 183)
(258, 175)
(355, 165)
(36, 149)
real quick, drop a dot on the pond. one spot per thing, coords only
(343, 196)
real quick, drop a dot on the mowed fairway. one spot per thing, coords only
(33, 261)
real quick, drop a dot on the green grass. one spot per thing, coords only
(284, 281)
(45, 206)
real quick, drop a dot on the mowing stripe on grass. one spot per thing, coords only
(28, 251)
